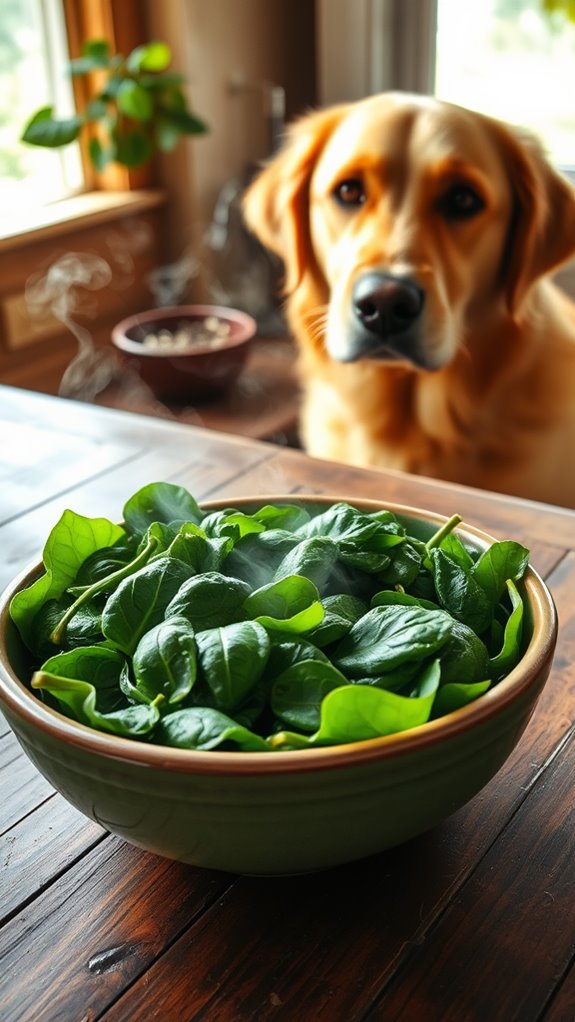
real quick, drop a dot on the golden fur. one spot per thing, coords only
(484, 392)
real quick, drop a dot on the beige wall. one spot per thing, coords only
(227, 49)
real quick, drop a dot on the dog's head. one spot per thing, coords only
(409, 218)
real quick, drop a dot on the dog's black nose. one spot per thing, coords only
(386, 305)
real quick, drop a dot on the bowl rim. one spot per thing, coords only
(121, 341)
(538, 655)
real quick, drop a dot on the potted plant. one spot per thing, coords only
(138, 110)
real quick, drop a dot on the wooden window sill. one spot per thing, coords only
(80, 211)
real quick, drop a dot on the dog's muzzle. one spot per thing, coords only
(385, 317)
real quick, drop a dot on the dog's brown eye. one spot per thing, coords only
(460, 202)
(350, 193)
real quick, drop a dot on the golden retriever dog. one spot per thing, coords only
(418, 238)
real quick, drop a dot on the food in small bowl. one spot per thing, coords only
(272, 687)
(186, 352)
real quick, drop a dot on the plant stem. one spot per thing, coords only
(116, 576)
(444, 531)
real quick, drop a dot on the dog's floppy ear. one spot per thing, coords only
(275, 205)
(542, 230)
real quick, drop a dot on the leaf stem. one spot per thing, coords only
(444, 531)
(58, 631)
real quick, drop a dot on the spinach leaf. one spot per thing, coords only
(284, 654)
(354, 713)
(363, 540)
(464, 656)
(101, 564)
(160, 502)
(500, 562)
(387, 637)
(342, 522)
(404, 565)
(341, 611)
(460, 593)
(201, 552)
(282, 516)
(99, 702)
(290, 605)
(232, 660)
(73, 539)
(256, 556)
(393, 598)
(140, 601)
(210, 600)
(99, 665)
(84, 630)
(297, 694)
(510, 652)
(203, 728)
(454, 548)
(219, 523)
(235, 524)
(456, 694)
(165, 661)
(400, 679)
(108, 583)
(312, 558)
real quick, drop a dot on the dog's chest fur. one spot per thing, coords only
(490, 431)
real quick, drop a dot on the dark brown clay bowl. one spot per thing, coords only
(196, 373)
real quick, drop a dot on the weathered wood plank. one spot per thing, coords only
(40, 847)
(101, 926)
(469, 969)
(562, 1005)
(22, 787)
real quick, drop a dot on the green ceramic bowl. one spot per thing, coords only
(293, 811)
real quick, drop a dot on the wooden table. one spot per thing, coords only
(472, 921)
(262, 403)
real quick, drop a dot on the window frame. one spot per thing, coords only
(120, 22)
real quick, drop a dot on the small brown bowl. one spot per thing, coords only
(201, 370)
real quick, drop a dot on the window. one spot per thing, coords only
(510, 59)
(507, 58)
(33, 56)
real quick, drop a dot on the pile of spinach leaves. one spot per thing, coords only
(268, 631)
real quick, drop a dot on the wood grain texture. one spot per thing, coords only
(40, 847)
(513, 932)
(23, 788)
(96, 929)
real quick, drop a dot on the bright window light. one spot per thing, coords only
(509, 59)
(33, 74)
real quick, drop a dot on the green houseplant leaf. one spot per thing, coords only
(140, 108)
(43, 129)
(151, 57)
